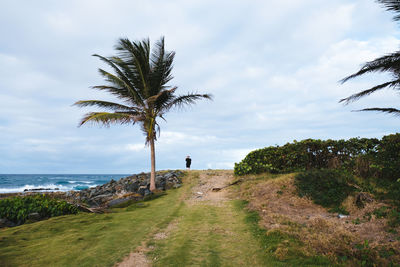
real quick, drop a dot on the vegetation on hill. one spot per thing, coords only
(365, 157)
(367, 236)
(328, 188)
(358, 177)
(18, 209)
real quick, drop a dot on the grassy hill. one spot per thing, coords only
(260, 221)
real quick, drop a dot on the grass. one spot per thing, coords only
(226, 235)
(86, 239)
(286, 249)
(205, 235)
(209, 236)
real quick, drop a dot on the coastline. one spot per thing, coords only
(16, 183)
(114, 192)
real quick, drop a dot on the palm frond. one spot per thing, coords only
(159, 101)
(361, 94)
(393, 111)
(119, 92)
(161, 67)
(390, 63)
(184, 100)
(392, 5)
(119, 79)
(133, 96)
(132, 75)
(136, 56)
(103, 104)
(106, 118)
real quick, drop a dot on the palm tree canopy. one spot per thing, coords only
(139, 79)
(389, 64)
(391, 5)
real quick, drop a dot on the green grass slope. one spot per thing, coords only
(205, 234)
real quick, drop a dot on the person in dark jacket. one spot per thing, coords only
(188, 162)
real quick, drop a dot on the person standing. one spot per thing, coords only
(188, 162)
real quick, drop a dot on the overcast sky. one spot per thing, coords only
(273, 67)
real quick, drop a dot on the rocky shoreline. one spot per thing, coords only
(134, 187)
(100, 198)
(114, 193)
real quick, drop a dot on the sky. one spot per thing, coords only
(273, 67)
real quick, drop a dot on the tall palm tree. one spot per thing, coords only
(388, 63)
(140, 81)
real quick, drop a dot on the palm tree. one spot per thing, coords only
(388, 63)
(140, 81)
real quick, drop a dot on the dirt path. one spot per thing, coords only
(211, 230)
(202, 192)
(208, 180)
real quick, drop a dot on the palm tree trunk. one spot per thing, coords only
(153, 166)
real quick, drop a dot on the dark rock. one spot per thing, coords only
(6, 223)
(169, 175)
(104, 196)
(34, 216)
(177, 185)
(41, 189)
(83, 208)
(144, 183)
(144, 191)
(132, 186)
(118, 201)
(362, 198)
(169, 185)
(100, 195)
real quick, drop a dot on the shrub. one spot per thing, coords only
(257, 167)
(388, 157)
(381, 212)
(326, 187)
(364, 157)
(17, 209)
(394, 218)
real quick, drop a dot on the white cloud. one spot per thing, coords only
(135, 147)
(272, 66)
(174, 138)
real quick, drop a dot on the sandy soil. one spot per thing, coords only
(135, 259)
(209, 180)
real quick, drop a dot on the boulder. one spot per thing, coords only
(6, 223)
(132, 186)
(362, 198)
(34, 216)
(144, 191)
(118, 201)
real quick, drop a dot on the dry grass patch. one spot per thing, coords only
(281, 209)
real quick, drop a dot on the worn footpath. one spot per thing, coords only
(208, 231)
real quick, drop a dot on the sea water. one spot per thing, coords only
(12, 183)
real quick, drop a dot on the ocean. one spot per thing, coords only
(13, 183)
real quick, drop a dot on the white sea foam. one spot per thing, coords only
(52, 187)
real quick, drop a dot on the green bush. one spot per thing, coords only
(381, 212)
(394, 218)
(17, 209)
(364, 157)
(326, 187)
(388, 157)
(256, 167)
